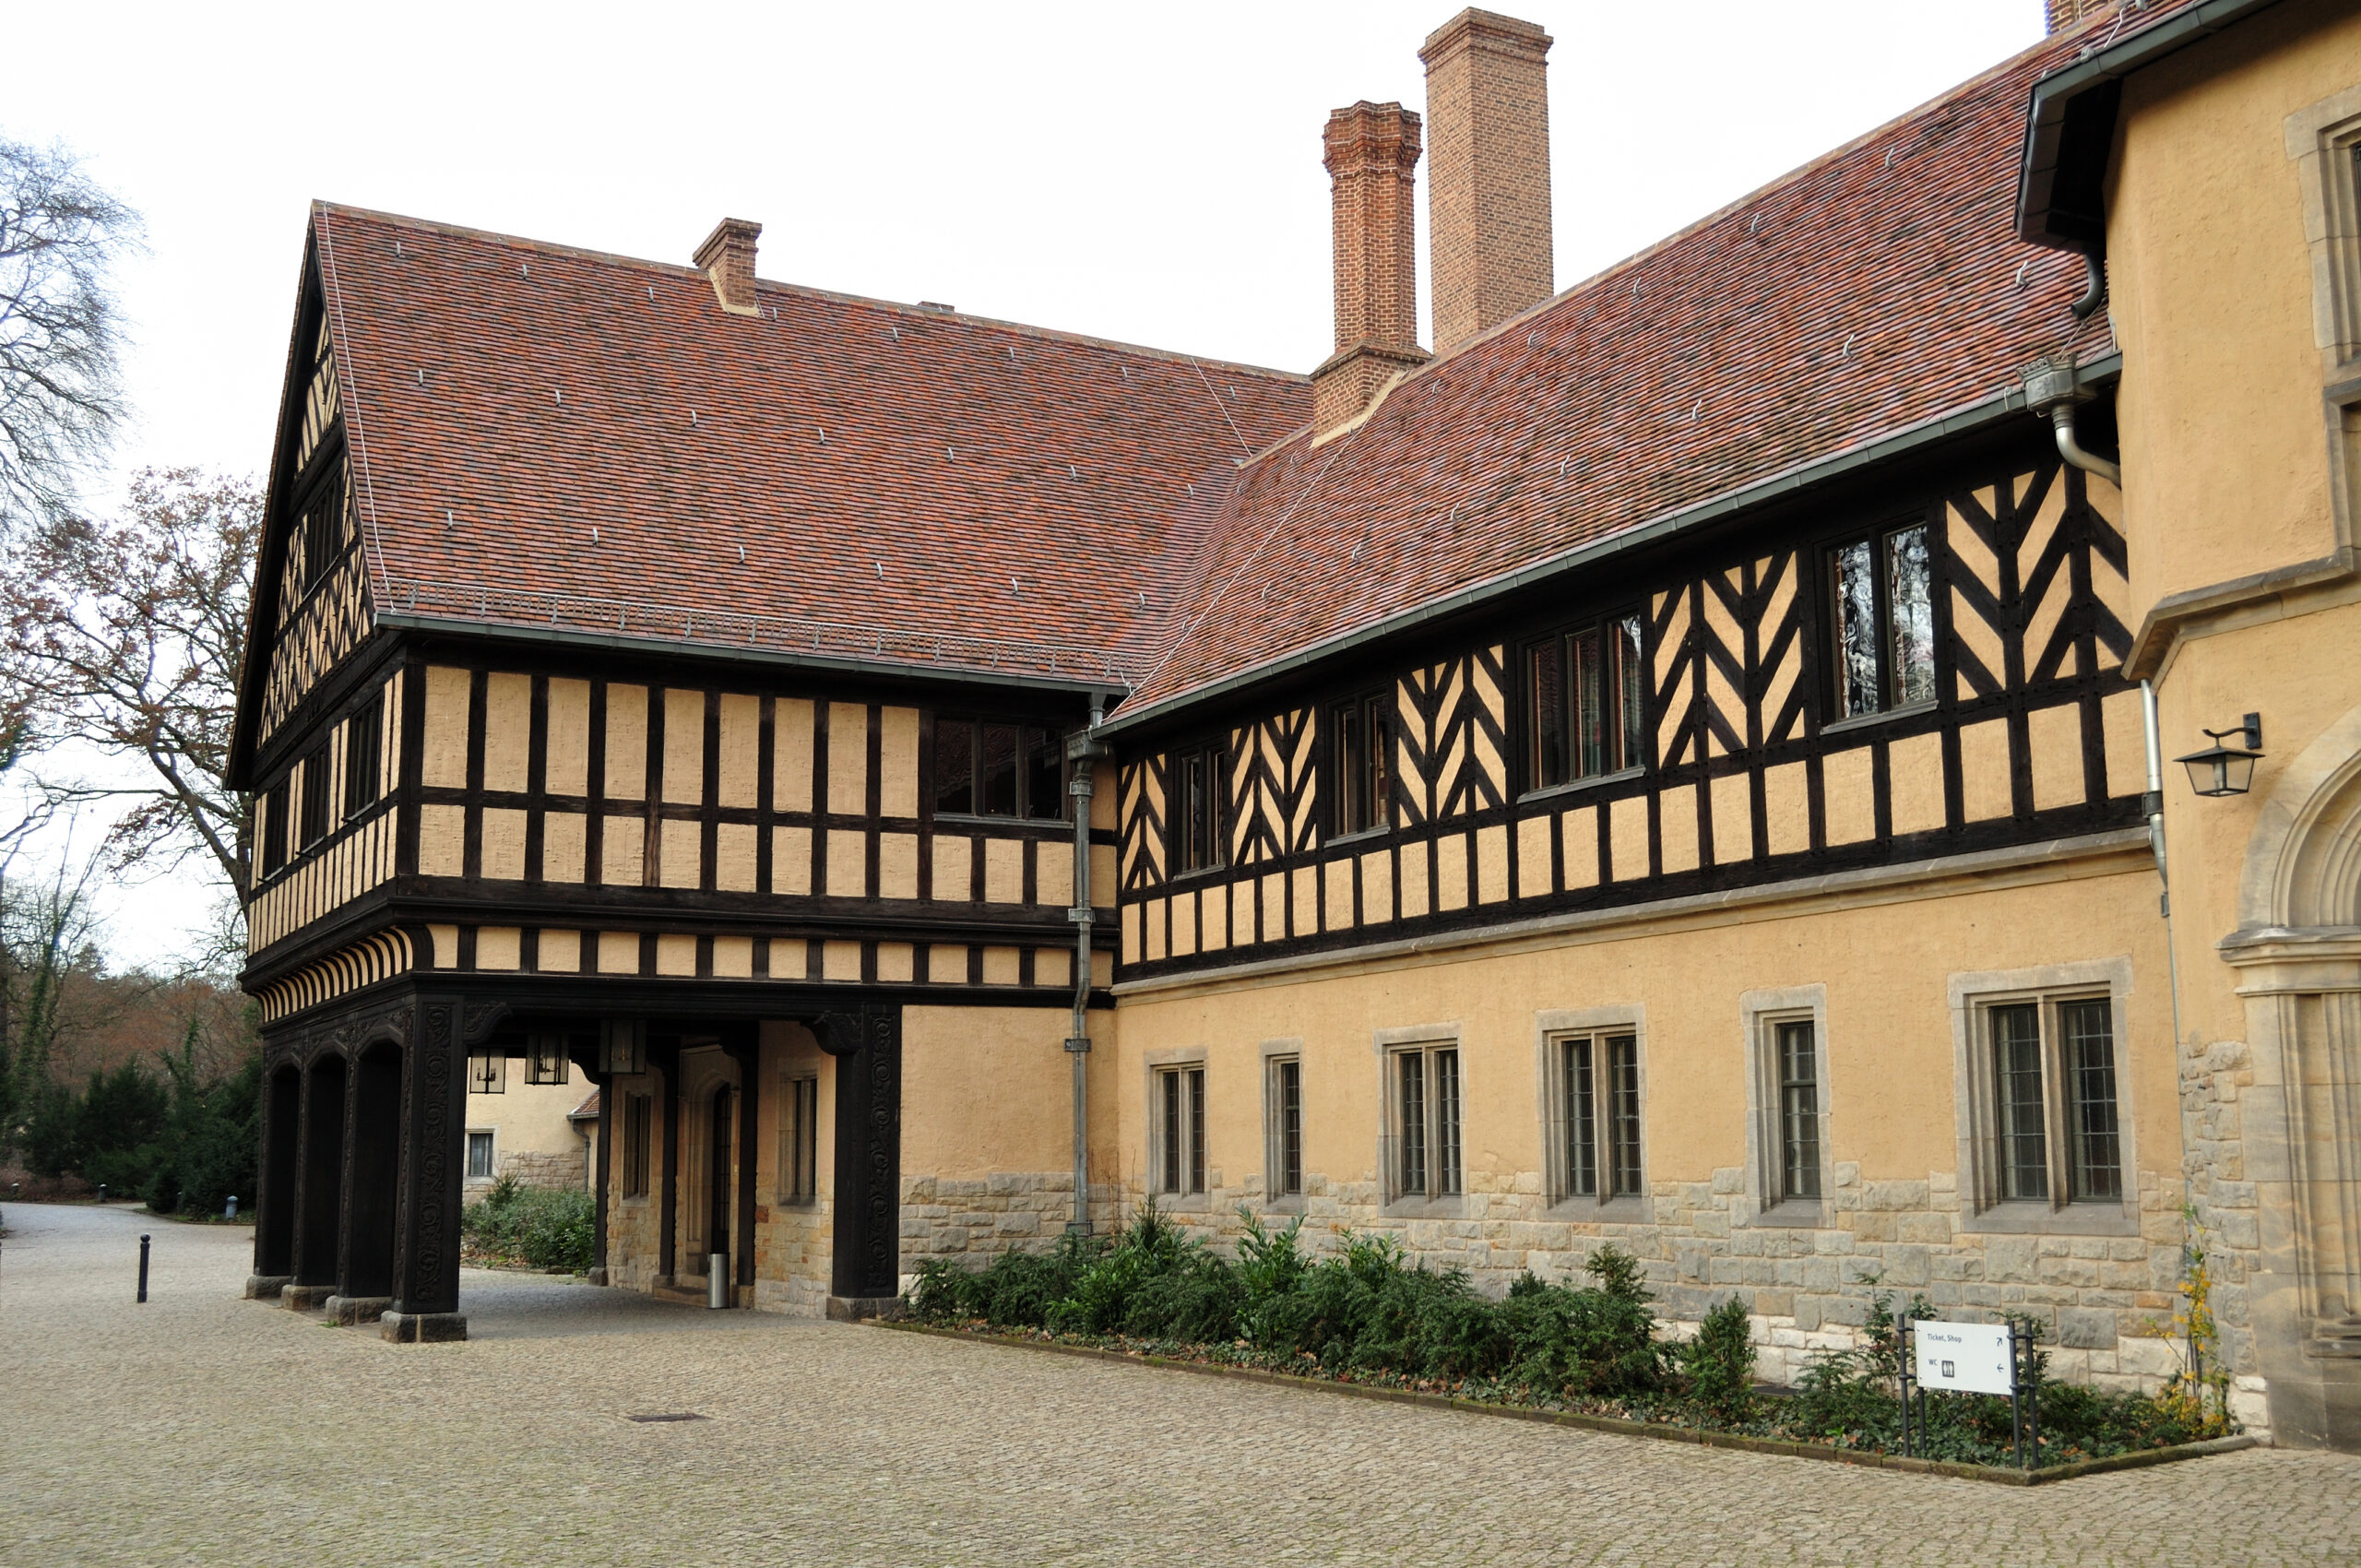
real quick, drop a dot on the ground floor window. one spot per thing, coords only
(638, 1122)
(1424, 1084)
(1284, 1109)
(1598, 1109)
(2056, 1132)
(1795, 1060)
(799, 1139)
(1180, 1124)
(480, 1157)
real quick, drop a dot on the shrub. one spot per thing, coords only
(1720, 1363)
(533, 1226)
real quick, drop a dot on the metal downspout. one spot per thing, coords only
(1084, 752)
(2053, 387)
(2154, 804)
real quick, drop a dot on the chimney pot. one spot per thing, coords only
(1371, 151)
(728, 258)
(1487, 183)
(2065, 15)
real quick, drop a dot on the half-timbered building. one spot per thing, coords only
(1674, 761)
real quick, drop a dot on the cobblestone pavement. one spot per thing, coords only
(201, 1429)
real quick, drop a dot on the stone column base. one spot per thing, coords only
(350, 1310)
(422, 1328)
(266, 1287)
(852, 1309)
(304, 1298)
(598, 1277)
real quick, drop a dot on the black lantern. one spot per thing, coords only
(488, 1071)
(2222, 769)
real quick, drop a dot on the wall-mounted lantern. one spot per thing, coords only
(488, 1071)
(2222, 769)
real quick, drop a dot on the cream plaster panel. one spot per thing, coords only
(840, 960)
(1676, 825)
(734, 857)
(1003, 871)
(680, 848)
(1304, 889)
(741, 752)
(896, 962)
(1450, 872)
(560, 952)
(948, 965)
(2126, 732)
(626, 742)
(1533, 876)
(1984, 770)
(1491, 865)
(562, 845)
(504, 844)
(848, 859)
(1627, 839)
(897, 762)
(1848, 797)
(733, 958)
(442, 759)
(954, 868)
(499, 947)
(971, 1090)
(1786, 808)
(897, 865)
(1733, 819)
(1377, 886)
(1053, 875)
(1184, 925)
(848, 757)
(442, 840)
(619, 952)
(507, 731)
(2055, 735)
(676, 953)
(622, 844)
(1578, 841)
(1915, 771)
(1338, 894)
(791, 862)
(1001, 966)
(566, 769)
(792, 753)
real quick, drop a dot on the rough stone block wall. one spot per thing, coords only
(634, 1233)
(794, 1253)
(565, 1168)
(2213, 1079)
(2106, 1302)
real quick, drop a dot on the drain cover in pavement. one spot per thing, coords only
(674, 1416)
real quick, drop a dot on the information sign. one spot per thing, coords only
(1969, 1358)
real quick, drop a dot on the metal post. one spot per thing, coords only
(143, 1269)
(2016, 1411)
(102, 1192)
(717, 1283)
(1903, 1368)
(230, 1211)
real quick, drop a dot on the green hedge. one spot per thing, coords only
(533, 1226)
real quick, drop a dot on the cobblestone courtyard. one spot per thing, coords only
(204, 1429)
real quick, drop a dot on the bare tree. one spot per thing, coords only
(127, 636)
(61, 393)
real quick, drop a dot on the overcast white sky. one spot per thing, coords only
(1150, 173)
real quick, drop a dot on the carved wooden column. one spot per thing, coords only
(277, 1140)
(742, 1042)
(867, 1045)
(319, 1180)
(433, 1146)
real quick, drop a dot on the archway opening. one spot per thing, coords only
(275, 1226)
(323, 1174)
(375, 1163)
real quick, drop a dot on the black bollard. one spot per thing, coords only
(102, 1192)
(143, 1269)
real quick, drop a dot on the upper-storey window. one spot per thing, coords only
(313, 826)
(363, 732)
(1197, 781)
(1585, 703)
(274, 828)
(985, 768)
(1881, 621)
(1363, 741)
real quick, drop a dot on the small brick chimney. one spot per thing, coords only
(1371, 150)
(2065, 14)
(728, 258)
(1487, 183)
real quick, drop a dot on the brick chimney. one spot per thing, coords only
(1487, 184)
(728, 258)
(2065, 14)
(1371, 150)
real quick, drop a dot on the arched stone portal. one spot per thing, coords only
(2297, 952)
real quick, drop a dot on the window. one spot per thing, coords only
(1197, 783)
(314, 822)
(983, 767)
(1179, 1112)
(362, 733)
(479, 1157)
(1282, 1108)
(1796, 1057)
(1360, 750)
(1425, 1084)
(1881, 621)
(1598, 1087)
(638, 1123)
(274, 828)
(2055, 1131)
(798, 1140)
(321, 529)
(1584, 704)
(545, 1059)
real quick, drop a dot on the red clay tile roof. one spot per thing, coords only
(887, 469)
(1872, 291)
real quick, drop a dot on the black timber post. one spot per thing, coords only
(669, 1221)
(606, 1141)
(744, 1045)
(867, 1045)
(274, 1180)
(426, 1206)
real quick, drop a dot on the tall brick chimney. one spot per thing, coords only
(1371, 150)
(728, 258)
(1487, 184)
(2064, 14)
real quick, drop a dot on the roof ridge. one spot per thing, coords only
(674, 269)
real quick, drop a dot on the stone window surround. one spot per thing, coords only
(1550, 1027)
(1760, 1014)
(1155, 1065)
(493, 1133)
(1386, 1043)
(2320, 141)
(1970, 995)
(648, 1078)
(1275, 1052)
